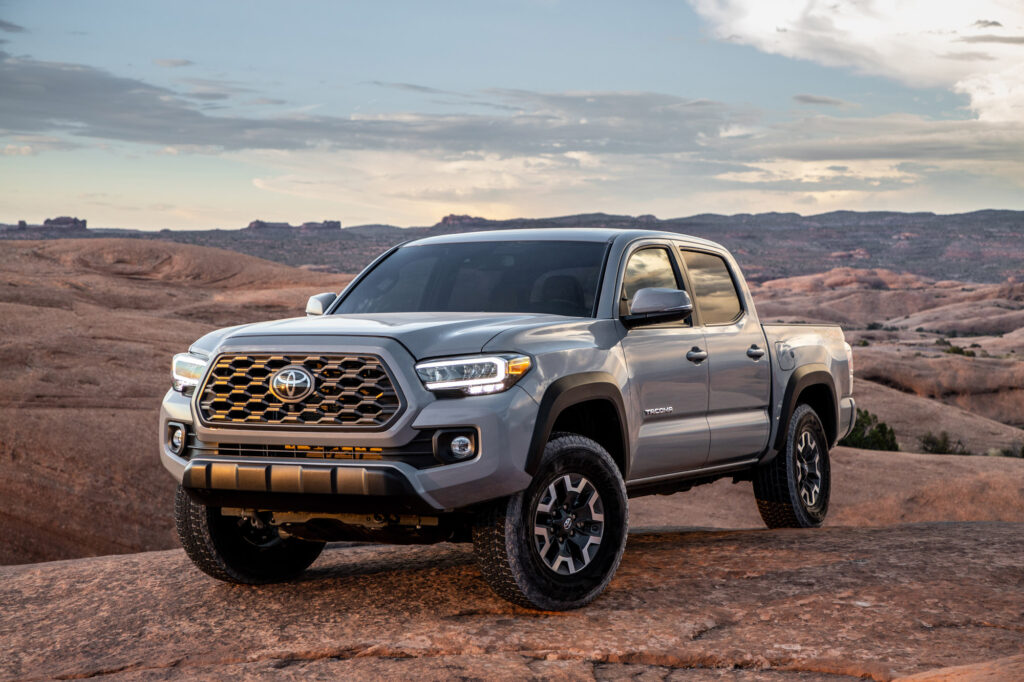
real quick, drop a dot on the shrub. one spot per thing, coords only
(862, 342)
(1012, 451)
(874, 325)
(870, 434)
(957, 350)
(942, 444)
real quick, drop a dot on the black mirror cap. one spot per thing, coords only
(654, 318)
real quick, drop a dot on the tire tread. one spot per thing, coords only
(773, 482)
(494, 542)
(198, 539)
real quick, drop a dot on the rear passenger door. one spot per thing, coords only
(669, 392)
(740, 374)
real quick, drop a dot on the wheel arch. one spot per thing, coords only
(589, 404)
(811, 384)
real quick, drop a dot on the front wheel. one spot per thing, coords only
(556, 545)
(793, 489)
(236, 550)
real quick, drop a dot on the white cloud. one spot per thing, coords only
(974, 48)
(18, 150)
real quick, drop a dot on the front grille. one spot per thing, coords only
(419, 452)
(349, 391)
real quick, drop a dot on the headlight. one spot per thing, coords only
(473, 375)
(186, 371)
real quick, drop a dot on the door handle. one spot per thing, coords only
(696, 355)
(755, 352)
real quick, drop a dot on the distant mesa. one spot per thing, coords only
(64, 223)
(462, 220)
(308, 226)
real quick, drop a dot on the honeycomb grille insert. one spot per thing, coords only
(349, 391)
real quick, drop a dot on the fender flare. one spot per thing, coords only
(566, 392)
(802, 378)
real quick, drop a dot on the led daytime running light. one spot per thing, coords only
(473, 375)
(186, 371)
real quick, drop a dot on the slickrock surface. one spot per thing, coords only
(750, 605)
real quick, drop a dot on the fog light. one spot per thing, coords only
(461, 447)
(176, 438)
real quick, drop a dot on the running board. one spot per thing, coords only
(666, 480)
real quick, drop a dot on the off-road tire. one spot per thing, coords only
(219, 547)
(504, 540)
(778, 484)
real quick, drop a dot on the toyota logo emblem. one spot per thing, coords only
(292, 384)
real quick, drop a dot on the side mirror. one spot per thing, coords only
(654, 305)
(316, 305)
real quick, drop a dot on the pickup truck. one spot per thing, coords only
(512, 389)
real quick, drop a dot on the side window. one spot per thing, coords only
(713, 287)
(646, 268)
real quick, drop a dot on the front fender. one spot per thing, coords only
(569, 391)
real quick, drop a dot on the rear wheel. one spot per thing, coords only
(237, 550)
(793, 489)
(556, 545)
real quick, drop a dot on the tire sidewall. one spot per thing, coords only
(804, 418)
(568, 454)
(216, 546)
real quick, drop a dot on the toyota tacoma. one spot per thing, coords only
(512, 389)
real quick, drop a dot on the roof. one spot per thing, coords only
(560, 234)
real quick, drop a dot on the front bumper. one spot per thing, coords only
(304, 487)
(503, 422)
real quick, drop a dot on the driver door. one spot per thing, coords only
(669, 391)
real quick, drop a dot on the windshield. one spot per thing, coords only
(555, 277)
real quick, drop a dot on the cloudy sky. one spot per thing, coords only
(210, 114)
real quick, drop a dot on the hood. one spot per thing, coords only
(424, 335)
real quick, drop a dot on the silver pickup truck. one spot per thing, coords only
(511, 389)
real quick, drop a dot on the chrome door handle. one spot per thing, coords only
(755, 352)
(696, 355)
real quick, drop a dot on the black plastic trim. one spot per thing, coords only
(803, 377)
(442, 440)
(565, 393)
(403, 502)
(184, 438)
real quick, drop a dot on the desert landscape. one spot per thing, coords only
(917, 570)
(170, 169)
